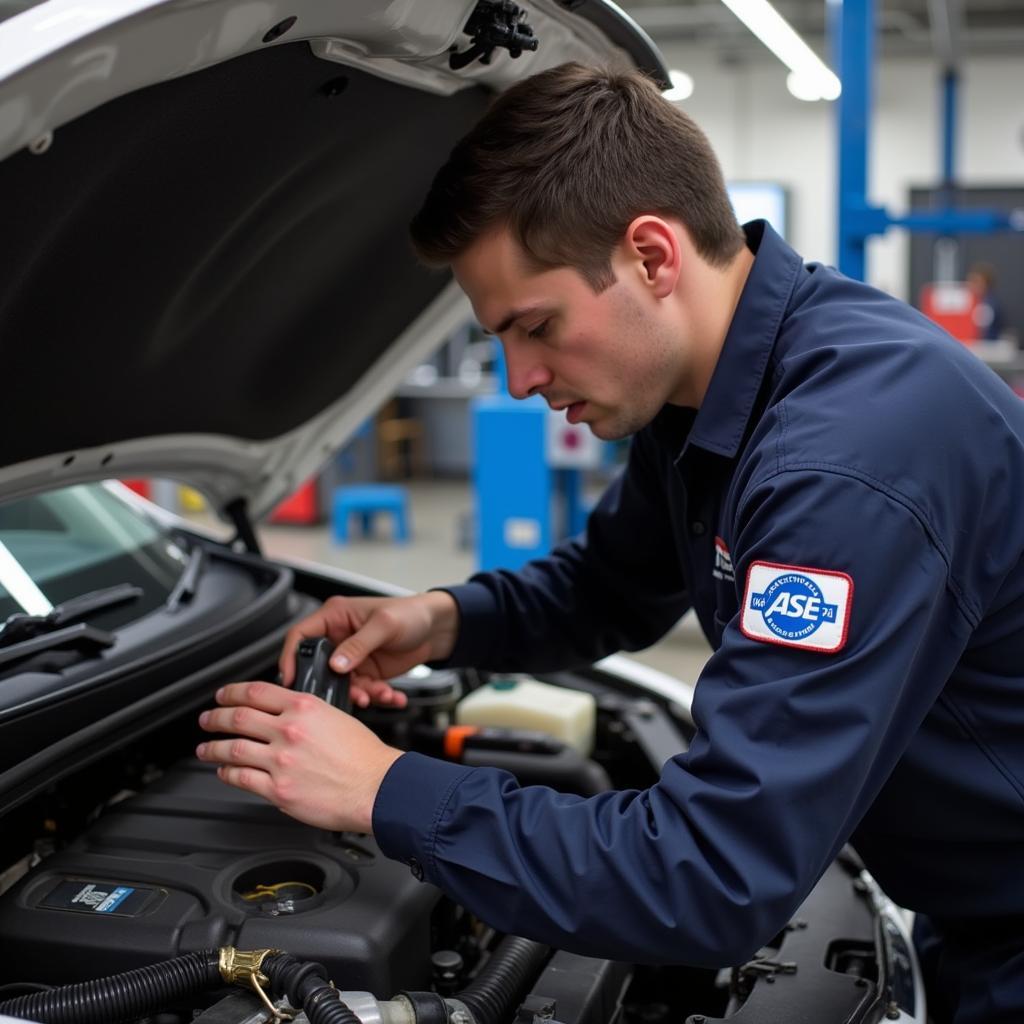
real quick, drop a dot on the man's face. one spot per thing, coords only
(610, 359)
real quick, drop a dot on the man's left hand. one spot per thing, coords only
(305, 756)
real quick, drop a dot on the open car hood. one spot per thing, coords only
(205, 272)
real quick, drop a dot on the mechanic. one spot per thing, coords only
(834, 485)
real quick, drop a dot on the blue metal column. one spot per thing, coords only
(853, 29)
(949, 89)
(853, 26)
(946, 249)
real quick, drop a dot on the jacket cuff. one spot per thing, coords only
(478, 624)
(409, 806)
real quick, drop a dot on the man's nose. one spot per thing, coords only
(526, 374)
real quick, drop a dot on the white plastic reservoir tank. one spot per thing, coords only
(512, 702)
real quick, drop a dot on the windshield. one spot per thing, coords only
(58, 546)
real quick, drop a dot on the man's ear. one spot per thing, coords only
(652, 246)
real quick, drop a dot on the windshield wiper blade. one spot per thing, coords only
(80, 635)
(94, 601)
(19, 626)
(188, 582)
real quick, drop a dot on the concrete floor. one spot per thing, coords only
(441, 511)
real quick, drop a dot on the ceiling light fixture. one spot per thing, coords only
(810, 78)
(682, 86)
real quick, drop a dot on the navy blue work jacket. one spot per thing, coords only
(845, 513)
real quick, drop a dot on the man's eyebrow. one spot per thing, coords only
(513, 316)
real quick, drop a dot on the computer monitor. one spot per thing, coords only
(760, 199)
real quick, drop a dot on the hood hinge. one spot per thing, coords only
(238, 512)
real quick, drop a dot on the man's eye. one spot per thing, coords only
(539, 331)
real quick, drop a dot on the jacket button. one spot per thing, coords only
(697, 528)
(416, 868)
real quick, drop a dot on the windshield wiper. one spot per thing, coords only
(188, 582)
(21, 627)
(80, 635)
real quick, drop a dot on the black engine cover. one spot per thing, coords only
(167, 872)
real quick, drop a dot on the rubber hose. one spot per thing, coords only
(504, 980)
(121, 997)
(308, 988)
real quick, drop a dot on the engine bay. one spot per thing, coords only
(145, 856)
(190, 864)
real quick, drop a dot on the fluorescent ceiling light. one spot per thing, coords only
(682, 86)
(810, 75)
(811, 87)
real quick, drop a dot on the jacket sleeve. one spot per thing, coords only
(792, 746)
(616, 587)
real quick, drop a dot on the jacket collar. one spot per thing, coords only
(722, 419)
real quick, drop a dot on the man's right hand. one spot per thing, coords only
(378, 638)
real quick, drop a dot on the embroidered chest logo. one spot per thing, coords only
(723, 562)
(797, 607)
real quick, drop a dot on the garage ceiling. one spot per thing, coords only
(905, 27)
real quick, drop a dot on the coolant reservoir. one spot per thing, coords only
(518, 703)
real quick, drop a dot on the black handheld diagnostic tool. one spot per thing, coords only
(313, 673)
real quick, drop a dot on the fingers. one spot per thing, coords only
(250, 709)
(263, 696)
(237, 752)
(249, 779)
(240, 720)
(312, 626)
(336, 617)
(379, 629)
(243, 764)
(253, 710)
(365, 690)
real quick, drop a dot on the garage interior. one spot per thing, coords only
(945, 129)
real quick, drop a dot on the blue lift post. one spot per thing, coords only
(949, 85)
(853, 27)
(511, 482)
(516, 491)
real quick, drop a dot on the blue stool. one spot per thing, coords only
(366, 500)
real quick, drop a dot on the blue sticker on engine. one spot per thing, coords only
(114, 900)
(84, 897)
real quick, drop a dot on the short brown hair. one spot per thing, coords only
(567, 159)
